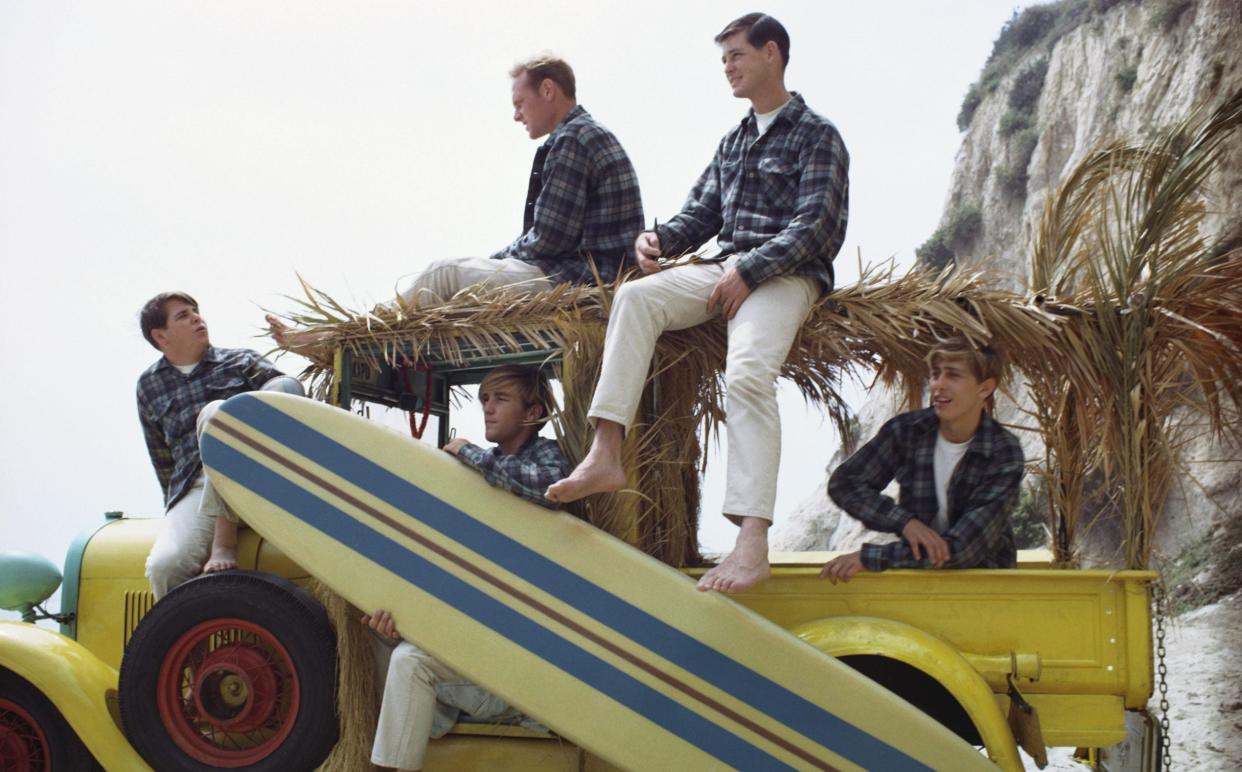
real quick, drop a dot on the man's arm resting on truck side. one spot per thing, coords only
(526, 477)
(975, 535)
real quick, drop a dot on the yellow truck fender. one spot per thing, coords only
(846, 636)
(77, 682)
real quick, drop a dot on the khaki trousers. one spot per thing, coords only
(760, 335)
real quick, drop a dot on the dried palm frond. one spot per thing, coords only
(1156, 327)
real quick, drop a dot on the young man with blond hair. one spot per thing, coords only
(776, 198)
(958, 469)
(583, 206)
(423, 697)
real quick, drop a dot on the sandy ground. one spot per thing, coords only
(1205, 691)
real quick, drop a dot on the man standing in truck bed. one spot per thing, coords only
(776, 197)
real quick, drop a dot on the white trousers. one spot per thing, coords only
(445, 278)
(408, 708)
(184, 541)
(760, 335)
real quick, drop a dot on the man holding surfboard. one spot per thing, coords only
(172, 395)
(422, 696)
(776, 198)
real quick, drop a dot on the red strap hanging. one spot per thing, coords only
(418, 425)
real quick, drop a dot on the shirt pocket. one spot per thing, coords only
(779, 181)
(171, 419)
(225, 385)
(730, 179)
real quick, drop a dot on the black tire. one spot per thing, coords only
(234, 670)
(33, 733)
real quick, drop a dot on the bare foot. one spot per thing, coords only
(600, 472)
(747, 565)
(222, 559)
(593, 475)
(301, 341)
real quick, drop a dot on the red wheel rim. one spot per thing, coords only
(228, 693)
(23, 747)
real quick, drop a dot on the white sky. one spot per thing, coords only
(220, 147)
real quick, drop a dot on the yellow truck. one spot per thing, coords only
(238, 670)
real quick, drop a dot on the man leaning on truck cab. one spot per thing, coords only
(958, 469)
(174, 395)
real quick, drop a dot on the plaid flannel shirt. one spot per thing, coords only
(982, 490)
(169, 403)
(528, 473)
(585, 203)
(780, 199)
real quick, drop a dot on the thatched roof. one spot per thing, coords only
(1135, 317)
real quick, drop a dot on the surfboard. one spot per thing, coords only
(605, 645)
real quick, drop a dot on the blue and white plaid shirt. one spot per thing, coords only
(780, 199)
(586, 202)
(528, 473)
(982, 491)
(169, 403)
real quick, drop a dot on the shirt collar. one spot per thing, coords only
(985, 440)
(530, 442)
(210, 355)
(791, 112)
(577, 112)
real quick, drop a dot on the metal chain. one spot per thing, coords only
(1160, 599)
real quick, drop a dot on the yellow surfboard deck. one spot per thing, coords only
(604, 644)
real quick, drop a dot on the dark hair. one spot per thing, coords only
(760, 29)
(154, 315)
(532, 387)
(547, 67)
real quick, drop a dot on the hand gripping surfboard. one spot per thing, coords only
(604, 644)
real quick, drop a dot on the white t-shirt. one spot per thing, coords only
(186, 369)
(764, 120)
(948, 454)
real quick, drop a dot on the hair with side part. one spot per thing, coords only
(984, 362)
(531, 384)
(547, 67)
(760, 29)
(154, 313)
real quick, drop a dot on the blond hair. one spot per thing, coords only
(547, 67)
(531, 384)
(984, 362)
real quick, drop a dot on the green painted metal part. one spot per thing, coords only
(26, 580)
(73, 575)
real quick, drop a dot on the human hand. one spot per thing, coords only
(842, 568)
(931, 543)
(452, 446)
(381, 622)
(729, 294)
(647, 250)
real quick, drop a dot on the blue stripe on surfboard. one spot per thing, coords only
(400, 560)
(672, 644)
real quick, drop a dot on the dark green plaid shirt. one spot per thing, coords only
(169, 403)
(584, 201)
(982, 490)
(528, 473)
(780, 199)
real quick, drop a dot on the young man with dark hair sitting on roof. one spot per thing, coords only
(422, 697)
(775, 196)
(582, 205)
(176, 397)
(959, 472)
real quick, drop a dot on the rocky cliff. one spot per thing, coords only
(1063, 78)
